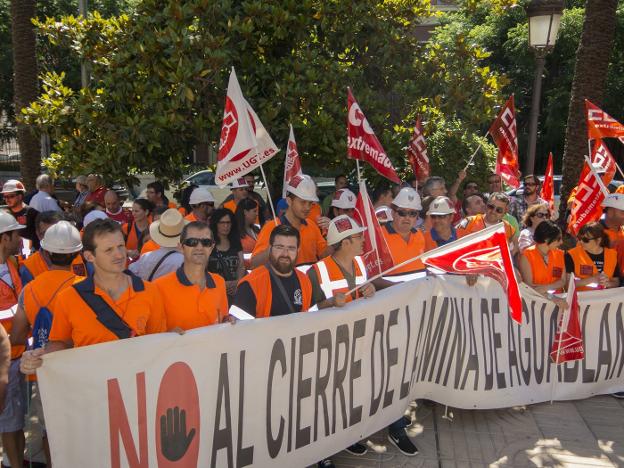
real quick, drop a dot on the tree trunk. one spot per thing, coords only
(590, 75)
(25, 85)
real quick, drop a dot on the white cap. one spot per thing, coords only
(384, 214)
(441, 206)
(614, 200)
(239, 183)
(9, 223)
(13, 185)
(342, 227)
(344, 199)
(302, 186)
(62, 238)
(92, 216)
(407, 198)
(201, 195)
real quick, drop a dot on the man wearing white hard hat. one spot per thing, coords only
(343, 202)
(202, 204)
(36, 304)
(442, 232)
(12, 417)
(403, 239)
(300, 195)
(239, 192)
(13, 192)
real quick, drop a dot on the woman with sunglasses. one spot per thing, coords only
(542, 266)
(532, 218)
(246, 214)
(226, 258)
(591, 261)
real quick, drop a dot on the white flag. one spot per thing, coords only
(292, 163)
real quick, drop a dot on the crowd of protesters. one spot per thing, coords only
(78, 274)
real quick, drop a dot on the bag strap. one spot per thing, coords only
(162, 259)
(32, 292)
(280, 286)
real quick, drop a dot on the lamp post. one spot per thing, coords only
(544, 19)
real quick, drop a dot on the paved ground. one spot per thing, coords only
(584, 433)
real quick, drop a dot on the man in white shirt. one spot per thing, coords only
(43, 200)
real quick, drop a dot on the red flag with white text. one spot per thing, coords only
(503, 132)
(600, 124)
(587, 201)
(292, 163)
(245, 144)
(362, 144)
(568, 342)
(485, 252)
(417, 153)
(548, 187)
(377, 257)
(603, 162)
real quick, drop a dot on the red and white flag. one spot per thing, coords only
(486, 253)
(548, 187)
(568, 342)
(292, 163)
(503, 132)
(603, 160)
(245, 144)
(362, 143)
(587, 200)
(377, 257)
(417, 153)
(600, 124)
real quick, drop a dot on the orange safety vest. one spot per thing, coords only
(542, 273)
(260, 282)
(584, 267)
(8, 298)
(130, 233)
(248, 244)
(332, 281)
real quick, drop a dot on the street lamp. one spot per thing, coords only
(544, 19)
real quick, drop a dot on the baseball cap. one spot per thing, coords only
(342, 227)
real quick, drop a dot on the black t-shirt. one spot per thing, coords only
(246, 299)
(224, 263)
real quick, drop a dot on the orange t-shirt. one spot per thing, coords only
(140, 306)
(312, 244)
(476, 223)
(186, 306)
(403, 250)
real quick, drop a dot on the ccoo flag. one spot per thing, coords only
(417, 153)
(568, 342)
(503, 132)
(600, 124)
(548, 187)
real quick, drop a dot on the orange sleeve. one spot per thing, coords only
(61, 326)
(222, 301)
(321, 243)
(157, 322)
(263, 238)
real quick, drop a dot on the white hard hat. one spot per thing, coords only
(614, 200)
(13, 185)
(239, 183)
(201, 195)
(344, 199)
(441, 206)
(61, 238)
(407, 198)
(384, 214)
(92, 216)
(9, 223)
(302, 186)
(342, 227)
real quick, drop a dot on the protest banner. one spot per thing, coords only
(287, 391)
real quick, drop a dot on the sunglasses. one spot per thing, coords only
(587, 239)
(437, 216)
(542, 215)
(498, 209)
(403, 213)
(194, 241)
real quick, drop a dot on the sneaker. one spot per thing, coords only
(326, 463)
(618, 394)
(402, 442)
(357, 449)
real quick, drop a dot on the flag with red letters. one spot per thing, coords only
(417, 153)
(503, 132)
(568, 342)
(292, 164)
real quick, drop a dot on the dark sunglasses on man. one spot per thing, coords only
(194, 241)
(498, 209)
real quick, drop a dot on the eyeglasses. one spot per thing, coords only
(438, 216)
(194, 241)
(542, 215)
(403, 213)
(587, 239)
(285, 248)
(498, 209)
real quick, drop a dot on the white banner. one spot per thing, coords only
(291, 390)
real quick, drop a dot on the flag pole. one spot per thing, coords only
(359, 176)
(619, 168)
(266, 186)
(598, 178)
(473, 156)
(560, 328)
(369, 220)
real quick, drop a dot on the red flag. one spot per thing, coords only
(417, 153)
(485, 252)
(568, 342)
(292, 164)
(245, 144)
(548, 187)
(600, 124)
(588, 198)
(377, 257)
(503, 131)
(603, 162)
(362, 143)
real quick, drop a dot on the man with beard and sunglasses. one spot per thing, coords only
(530, 196)
(193, 297)
(277, 287)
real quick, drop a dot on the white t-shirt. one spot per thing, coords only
(42, 201)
